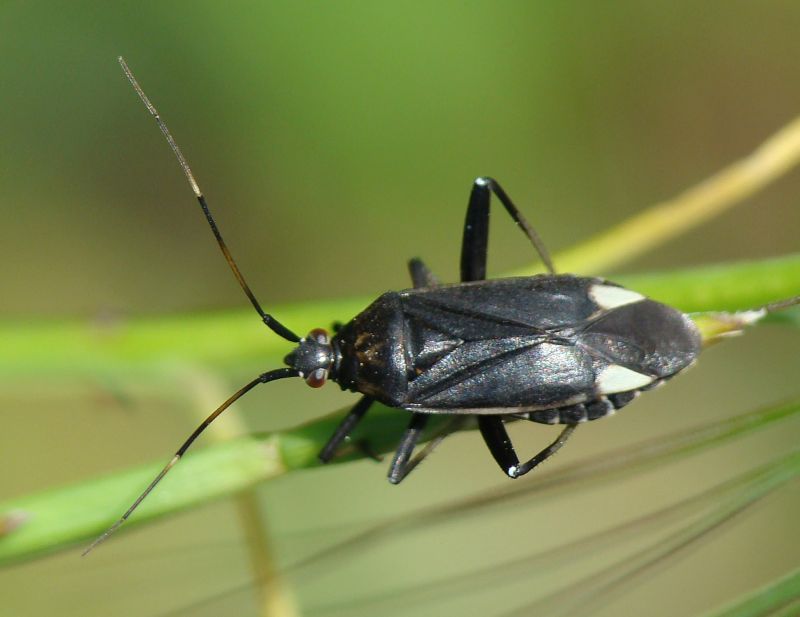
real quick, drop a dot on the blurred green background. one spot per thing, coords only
(334, 141)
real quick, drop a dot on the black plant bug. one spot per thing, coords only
(552, 348)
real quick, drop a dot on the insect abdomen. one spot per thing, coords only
(583, 412)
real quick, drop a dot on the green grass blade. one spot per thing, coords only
(721, 287)
(783, 593)
(232, 339)
(614, 465)
(45, 521)
(49, 520)
(62, 516)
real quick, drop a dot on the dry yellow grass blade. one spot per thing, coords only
(668, 219)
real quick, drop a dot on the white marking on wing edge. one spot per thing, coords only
(751, 316)
(609, 297)
(615, 378)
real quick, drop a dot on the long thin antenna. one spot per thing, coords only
(280, 373)
(269, 320)
(779, 305)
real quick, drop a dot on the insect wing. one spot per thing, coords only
(504, 307)
(645, 337)
(537, 343)
(499, 344)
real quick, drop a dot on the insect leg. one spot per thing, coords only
(455, 424)
(421, 276)
(345, 428)
(499, 444)
(397, 470)
(547, 452)
(476, 230)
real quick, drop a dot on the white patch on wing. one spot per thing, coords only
(751, 316)
(615, 378)
(609, 297)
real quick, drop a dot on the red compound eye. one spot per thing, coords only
(319, 335)
(317, 378)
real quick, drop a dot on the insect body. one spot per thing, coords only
(549, 348)
(526, 346)
(553, 348)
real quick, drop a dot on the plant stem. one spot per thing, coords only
(668, 219)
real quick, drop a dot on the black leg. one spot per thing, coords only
(455, 424)
(476, 230)
(547, 452)
(397, 470)
(421, 276)
(499, 444)
(345, 428)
